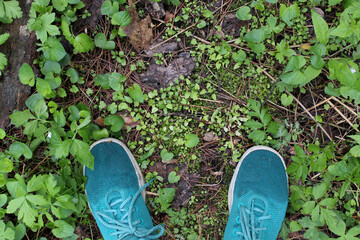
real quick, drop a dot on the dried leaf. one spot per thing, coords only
(139, 31)
(129, 121)
(209, 136)
(168, 16)
(100, 121)
(160, 76)
(305, 46)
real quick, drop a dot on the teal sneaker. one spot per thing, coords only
(115, 193)
(258, 196)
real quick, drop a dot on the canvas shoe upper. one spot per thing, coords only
(115, 193)
(258, 196)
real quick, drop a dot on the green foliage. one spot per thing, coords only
(349, 24)
(324, 196)
(26, 75)
(2, 133)
(321, 28)
(4, 37)
(100, 41)
(191, 140)
(166, 156)
(243, 13)
(136, 93)
(121, 18)
(320, 201)
(116, 122)
(9, 10)
(173, 178)
(166, 195)
(287, 14)
(83, 43)
(43, 26)
(350, 85)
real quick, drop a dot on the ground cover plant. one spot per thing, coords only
(188, 86)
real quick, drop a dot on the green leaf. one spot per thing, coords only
(51, 67)
(318, 49)
(295, 63)
(339, 169)
(287, 14)
(116, 81)
(3, 199)
(60, 5)
(294, 78)
(257, 136)
(81, 150)
(356, 138)
(4, 37)
(201, 24)
(43, 27)
(3, 62)
(35, 184)
(286, 100)
(166, 156)
(191, 140)
(43, 87)
(308, 207)
(272, 1)
(136, 93)
(319, 190)
(73, 75)
(16, 187)
(353, 232)
(83, 43)
(12, 9)
(239, 56)
(19, 118)
(253, 125)
(243, 13)
(53, 50)
(116, 122)
(355, 151)
(37, 200)
(334, 2)
(173, 178)
(334, 222)
(27, 213)
(102, 80)
(101, 134)
(121, 19)
(20, 231)
(6, 165)
(207, 14)
(166, 195)
(17, 149)
(317, 62)
(2, 133)
(109, 8)
(255, 36)
(100, 41)
(321, 28)
(6, 233)
(26, 75)
(175, 2)
(295, 226)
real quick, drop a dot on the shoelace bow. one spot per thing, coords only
(249, 223)
(125, 226)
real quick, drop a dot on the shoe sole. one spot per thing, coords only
(132, 158)
(250, 150)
